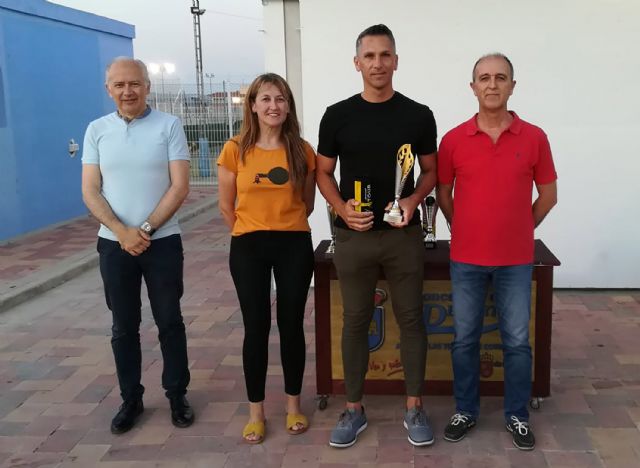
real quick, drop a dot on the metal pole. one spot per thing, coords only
(209, 102)
(155, 94)
(164, 97)
(229, 115)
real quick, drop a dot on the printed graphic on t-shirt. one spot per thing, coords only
(277, 175)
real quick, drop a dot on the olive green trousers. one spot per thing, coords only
(359, 258)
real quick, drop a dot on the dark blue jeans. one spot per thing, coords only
(512, 293)
(161, 267)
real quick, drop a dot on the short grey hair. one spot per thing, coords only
(124, 59)
(492, 55)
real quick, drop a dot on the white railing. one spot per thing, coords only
(208, 122)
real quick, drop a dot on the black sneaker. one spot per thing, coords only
(127, 416)
(458, 426)
(522, 436)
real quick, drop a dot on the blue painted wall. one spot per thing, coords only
(52, 62)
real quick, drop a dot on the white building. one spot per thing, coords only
(577, 71)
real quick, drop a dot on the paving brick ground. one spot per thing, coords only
(58, 390)
(28, 254)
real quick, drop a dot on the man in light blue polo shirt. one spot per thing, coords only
(135, 176)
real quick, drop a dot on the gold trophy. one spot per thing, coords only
(332, 218)
(429, 209)
(404, 161)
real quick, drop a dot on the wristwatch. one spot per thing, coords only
(147, 228)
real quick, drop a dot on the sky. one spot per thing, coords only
(232, 43)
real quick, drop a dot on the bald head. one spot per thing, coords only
(128, 60)
(497, 55)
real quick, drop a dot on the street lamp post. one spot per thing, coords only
(162, 68)
(210, 76)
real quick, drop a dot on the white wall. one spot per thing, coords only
(576, 65)
(275, 60)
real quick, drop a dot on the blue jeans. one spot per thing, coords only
(512, 293)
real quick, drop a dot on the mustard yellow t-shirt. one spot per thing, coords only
(266, 200)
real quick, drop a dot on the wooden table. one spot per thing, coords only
(385, 374)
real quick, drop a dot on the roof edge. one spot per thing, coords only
(63, 14)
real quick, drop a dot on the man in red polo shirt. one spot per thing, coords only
(493, 160)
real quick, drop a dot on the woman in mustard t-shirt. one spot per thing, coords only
(266, 183)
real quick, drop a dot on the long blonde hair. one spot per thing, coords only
(290, 133)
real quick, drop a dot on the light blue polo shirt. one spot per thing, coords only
(134, 163)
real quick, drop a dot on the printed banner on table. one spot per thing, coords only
(384, 335)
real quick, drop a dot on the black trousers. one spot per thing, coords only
(251, 259)
(161, 266)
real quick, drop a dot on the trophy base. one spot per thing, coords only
(392, 218)
(430, 240)
(332, 248)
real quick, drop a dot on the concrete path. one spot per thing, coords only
(35, 263)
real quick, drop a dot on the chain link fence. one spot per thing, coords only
(208, 122)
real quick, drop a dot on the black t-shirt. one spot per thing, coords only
(366, 137)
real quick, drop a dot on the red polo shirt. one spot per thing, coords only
(492, 217)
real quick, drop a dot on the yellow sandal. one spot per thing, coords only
(297, 419)
(256, 428)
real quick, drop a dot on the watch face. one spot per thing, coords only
(146, 227)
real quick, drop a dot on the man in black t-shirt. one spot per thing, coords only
(366, 131)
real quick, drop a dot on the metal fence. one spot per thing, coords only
(208, 122)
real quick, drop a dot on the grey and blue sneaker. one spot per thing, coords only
(351, 423)
(417, 424)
